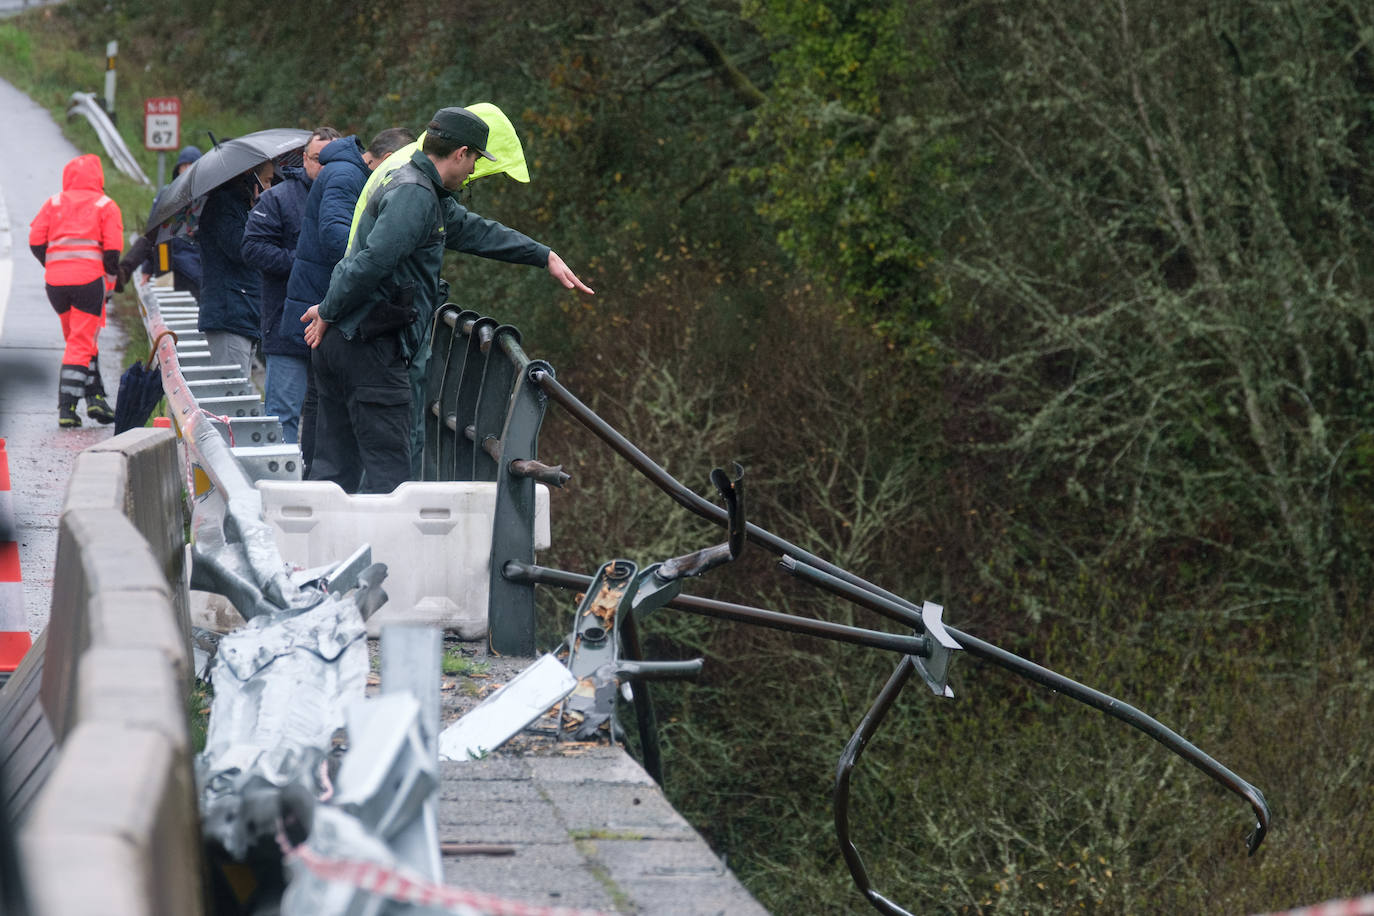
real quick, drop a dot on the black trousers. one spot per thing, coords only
(362, 424)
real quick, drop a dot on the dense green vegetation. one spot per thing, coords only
(1055, 314)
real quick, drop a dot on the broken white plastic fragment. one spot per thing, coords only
(503, 714)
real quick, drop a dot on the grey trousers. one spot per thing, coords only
(228, 348)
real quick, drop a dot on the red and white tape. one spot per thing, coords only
(14, 629)
(407, 887)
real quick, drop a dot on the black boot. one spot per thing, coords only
(71, 385)
(97, 408)
(66, 412)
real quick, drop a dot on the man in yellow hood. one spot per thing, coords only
(371, 331)
(504, 144)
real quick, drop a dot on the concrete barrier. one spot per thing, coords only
(115, 829)
(145, 484)
(115, 833)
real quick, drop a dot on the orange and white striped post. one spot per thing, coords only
(14, 629)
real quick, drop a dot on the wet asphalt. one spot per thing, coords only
(32, 154)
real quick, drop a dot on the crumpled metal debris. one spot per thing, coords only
(380, 812)
(282, 684)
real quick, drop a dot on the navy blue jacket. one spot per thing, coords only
(269, 244)
(185, 254)
(186, 270)
(324, 230)
(230, 287)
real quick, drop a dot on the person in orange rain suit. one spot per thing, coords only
(77, 237)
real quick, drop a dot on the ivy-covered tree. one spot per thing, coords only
(1168, 323)
(858, 185)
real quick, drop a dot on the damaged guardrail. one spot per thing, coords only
(274, 774)
(485, 402)
(929, 654)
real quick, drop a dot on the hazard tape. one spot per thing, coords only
(1356, 906)
(407, 887)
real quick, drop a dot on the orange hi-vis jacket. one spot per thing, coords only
(78, 225)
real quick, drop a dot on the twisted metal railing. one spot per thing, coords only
(485, 402)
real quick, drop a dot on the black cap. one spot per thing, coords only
(458, 125)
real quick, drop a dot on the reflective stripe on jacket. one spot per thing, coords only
(78, 225)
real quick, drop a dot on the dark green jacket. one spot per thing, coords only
(398, 251)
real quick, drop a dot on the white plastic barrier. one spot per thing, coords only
(435, 538)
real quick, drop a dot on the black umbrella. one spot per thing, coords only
(226, 161)
(140, 390)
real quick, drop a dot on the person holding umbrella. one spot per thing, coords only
(182, 256)
(231, 288)
(77, 237)
(212, 198)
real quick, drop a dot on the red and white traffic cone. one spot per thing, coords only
(14, 629)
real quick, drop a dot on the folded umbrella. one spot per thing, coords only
(140, 390)
(227, 160)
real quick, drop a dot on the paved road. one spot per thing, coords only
(32, 154)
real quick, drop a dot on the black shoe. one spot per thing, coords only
(97, 408)
(66, 416)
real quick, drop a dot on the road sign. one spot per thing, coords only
(162, 123)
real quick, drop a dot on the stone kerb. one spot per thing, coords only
(115, 829)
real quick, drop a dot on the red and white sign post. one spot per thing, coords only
(162, 130)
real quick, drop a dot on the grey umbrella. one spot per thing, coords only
(224, 162)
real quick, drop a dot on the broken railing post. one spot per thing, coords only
(551, 474)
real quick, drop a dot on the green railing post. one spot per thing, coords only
(446, 337)
(469, 389)
(510, 614)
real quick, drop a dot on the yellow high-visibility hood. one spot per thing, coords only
(502, 142)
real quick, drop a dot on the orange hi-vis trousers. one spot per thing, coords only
(81, 310)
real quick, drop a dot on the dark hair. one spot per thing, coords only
(325, 133)
(436, 145)
(389, 141)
